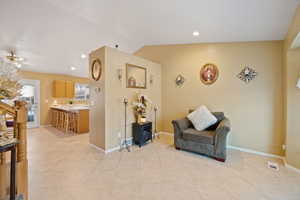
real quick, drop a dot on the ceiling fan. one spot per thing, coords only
(11, 56)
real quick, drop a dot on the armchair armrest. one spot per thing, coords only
(181, 124)
(224, 126)
(221, 138)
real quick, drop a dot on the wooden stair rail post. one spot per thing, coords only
(19, 113)
(4, 167)
(20, 131)
(2, 155)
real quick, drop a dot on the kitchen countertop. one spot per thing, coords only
(70, 107)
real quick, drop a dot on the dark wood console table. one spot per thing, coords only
(142, 132)
(11, 147)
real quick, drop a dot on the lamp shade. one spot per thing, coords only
(298, 83)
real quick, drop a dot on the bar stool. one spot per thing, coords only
(61, 120)
(54, 118)
(56, 123)
(73, 121)
(66, 121)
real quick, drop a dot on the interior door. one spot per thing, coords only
(31, 94)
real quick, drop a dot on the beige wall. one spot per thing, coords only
(97, 111)
(292, 94)
(115, 90)
(46, 98)
(255, 109)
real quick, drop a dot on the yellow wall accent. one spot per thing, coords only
(255, 109)
(46, 98)
(292, 94)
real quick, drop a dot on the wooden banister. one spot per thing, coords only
(9, 109)
(19, 113)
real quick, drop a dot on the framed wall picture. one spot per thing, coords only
(136, 76)
(96, 69)
(209, 73)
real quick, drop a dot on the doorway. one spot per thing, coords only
(31, 94)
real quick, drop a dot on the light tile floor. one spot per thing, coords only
(66, 167)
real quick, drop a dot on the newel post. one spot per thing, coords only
(20, 131)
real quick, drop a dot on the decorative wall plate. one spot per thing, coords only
(247, 74)
(209, 73)
(96, 69)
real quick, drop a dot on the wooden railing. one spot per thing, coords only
(19, 114)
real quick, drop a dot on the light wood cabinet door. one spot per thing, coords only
(83, 121)
(59, 88)
(70, 91)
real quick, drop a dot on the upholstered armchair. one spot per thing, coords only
(211, 142)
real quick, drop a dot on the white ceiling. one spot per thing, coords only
(52, 34)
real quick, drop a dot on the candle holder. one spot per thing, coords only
(124, 144)
(155, 131)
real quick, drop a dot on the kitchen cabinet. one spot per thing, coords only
(63, 89)
(70, 89)
(59, 88)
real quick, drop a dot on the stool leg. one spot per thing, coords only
(67, 122)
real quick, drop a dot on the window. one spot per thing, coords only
(82, 91)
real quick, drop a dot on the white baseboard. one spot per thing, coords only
(290, 166)
(255, 152)
(129, 142)
(96, 147)
(240, 149)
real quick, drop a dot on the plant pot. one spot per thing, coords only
(143, 119)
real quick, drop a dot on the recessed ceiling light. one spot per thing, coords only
(83, 56)
(73, 68)
(196, 33)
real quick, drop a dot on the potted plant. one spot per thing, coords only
(140, 108)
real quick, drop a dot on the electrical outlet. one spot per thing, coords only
(283, 147)
(92, 103)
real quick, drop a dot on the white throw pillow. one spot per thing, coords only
(202, 118)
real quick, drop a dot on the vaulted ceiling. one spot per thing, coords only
(52, 34)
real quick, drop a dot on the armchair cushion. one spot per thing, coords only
(205, 137)
(220, 116)
(202, 118)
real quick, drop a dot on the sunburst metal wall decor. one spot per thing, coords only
(247, 74)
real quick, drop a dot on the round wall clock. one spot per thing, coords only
(96, 69)
(209, 74)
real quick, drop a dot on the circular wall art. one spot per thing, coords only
(209, 74)
(96, 69)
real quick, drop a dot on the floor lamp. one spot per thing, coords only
(125, 144)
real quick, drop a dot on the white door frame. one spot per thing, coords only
(36, 84)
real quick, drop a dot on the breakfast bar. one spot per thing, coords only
(70, 118)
